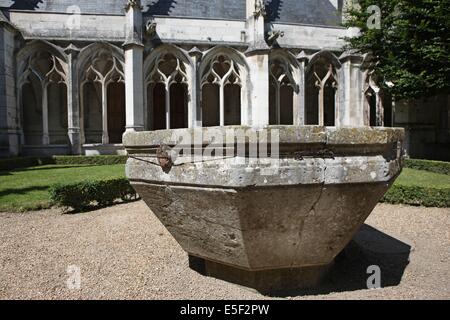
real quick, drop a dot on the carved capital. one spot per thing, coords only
(72, 50)
(195, 52)
(273, 35)
(353, 56)
(150, 29)
(302, 57)
(135, 4)
(260, 9)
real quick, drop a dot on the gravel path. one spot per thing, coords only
(124, 252)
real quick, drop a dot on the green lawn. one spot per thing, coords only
(420, 188)
(27, 189)
(412, 177)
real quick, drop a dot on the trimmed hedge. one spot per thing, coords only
(25, 162)
(83, 195)
(414, 195)
(93, 160)
(17, 163)
(428, 165)
(418, 196)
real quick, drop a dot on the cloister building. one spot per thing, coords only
(75, 75)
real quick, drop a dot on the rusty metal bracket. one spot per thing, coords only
(324, 153)
(164, 158)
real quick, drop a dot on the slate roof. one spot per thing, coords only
(314, 12)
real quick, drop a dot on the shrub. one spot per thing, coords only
(418, 196)
(24, 162)
(428, 165)
(94, 160)
(83, 195)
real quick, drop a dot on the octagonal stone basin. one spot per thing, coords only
(271, 220)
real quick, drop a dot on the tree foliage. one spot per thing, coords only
(411, 48)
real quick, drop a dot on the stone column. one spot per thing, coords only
(82, 106)
(195, 117)
(277, 103)
(321, 104)
(145, 102)
(167, 86)
(380, 109)
(394, 112)
(73, 101)
(258, 63)
(105, 133)
(10, 131)
(300, 98)
(350, 106)
(344, 6)
(134, 62)
(222, 104)
(45, 132)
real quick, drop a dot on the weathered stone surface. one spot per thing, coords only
(259, 229)
(282, 281)
(288, 135)
(230, 212)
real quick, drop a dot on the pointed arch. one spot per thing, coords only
(223, 75)
(373, 103)
(30, 48)
(162, 49)
(324, 55)
(86, 54)
(41, 85)
(168, 76)
(102, 93)
(232, 53)
(322, 81)
(284, 88)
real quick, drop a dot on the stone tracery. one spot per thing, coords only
(38, 73)
(221, 83)
(322, 102)
(373, 106)
(216, 78)
(102, 70)
(283, 87)
(221, 76)
(166, 75)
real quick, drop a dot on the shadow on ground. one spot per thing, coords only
(98, 206)
(369, 247)
(22, 191)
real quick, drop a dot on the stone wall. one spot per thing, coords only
(84, 48)
(62, 26)
(427, 127)
(9, 122)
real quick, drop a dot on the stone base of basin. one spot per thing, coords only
(260, 221)
(263, 228)
(270, 282)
